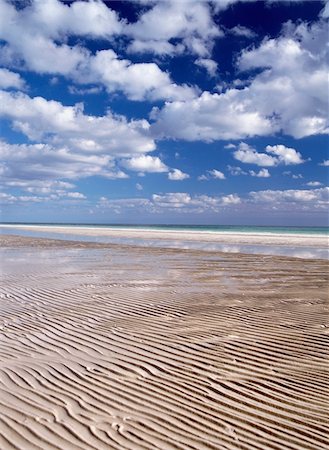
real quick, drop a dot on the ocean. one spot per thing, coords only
(205, 228)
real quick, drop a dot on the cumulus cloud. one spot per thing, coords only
(263, 173)
(285, 155)
(68, 126)
(138, 81)
(172, 199)
(10, 79)
(48, 21)
(28, 163)
(312, 200)
(210, 117)
(209, 64)
(318, 197)
(52, 195)
(184, 202)
(159, 47)
(288, 95)
(41, 186)
(46, 27)
(325, 163)
(325, 11)
(240, 30)
(214, 173)
(314, 183)
(235, 170)
(145, 163)
(231, 199)
(248, 155)
(84, 91)
(282, 155)
(189, 23)
(293, 83)
(73, 144)
(177, 175)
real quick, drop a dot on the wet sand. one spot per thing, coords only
(117, 347)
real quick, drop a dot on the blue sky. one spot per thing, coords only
(164, 112)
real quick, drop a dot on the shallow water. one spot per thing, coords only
(307, 252)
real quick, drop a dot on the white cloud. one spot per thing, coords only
(53, 18)
(289, 95)
(263, 173)
(325, 12)
(145, 163)
(173, 200)
(189, 23)
(282, 155)
(77, 195)
(74, 145)
(293, 84)
(214, 173)
(138, 81)
(231, 199)
(248, 155)
(325, 163)
(235, 170)
(38, 50)
(314, 183)
(84, 91)
(217, 174)
(10, 79)
(185, 203)
(46, 27)
(46, 23)
(44, 162)
(68, 126)
(53, 196)
(210, 117)
(315, 198)
(209, 64)
(139, 187)
(203, 177)
(285, 154)
(159, 47)
(240, 30)
(177, 175)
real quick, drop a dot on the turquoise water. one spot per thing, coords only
(207, 228)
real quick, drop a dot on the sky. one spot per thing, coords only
(164, 112)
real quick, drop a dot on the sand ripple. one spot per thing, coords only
(107, 348)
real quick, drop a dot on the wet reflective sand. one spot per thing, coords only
(299, 246)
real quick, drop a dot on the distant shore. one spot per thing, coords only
(232, 237)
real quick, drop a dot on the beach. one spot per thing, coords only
(109, 346)
(296, 244)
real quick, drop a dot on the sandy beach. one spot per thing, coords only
(120, 347)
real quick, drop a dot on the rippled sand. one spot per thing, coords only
(112, 347)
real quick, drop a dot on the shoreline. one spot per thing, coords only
(225, 237)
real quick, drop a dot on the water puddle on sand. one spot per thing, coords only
(305, 252)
